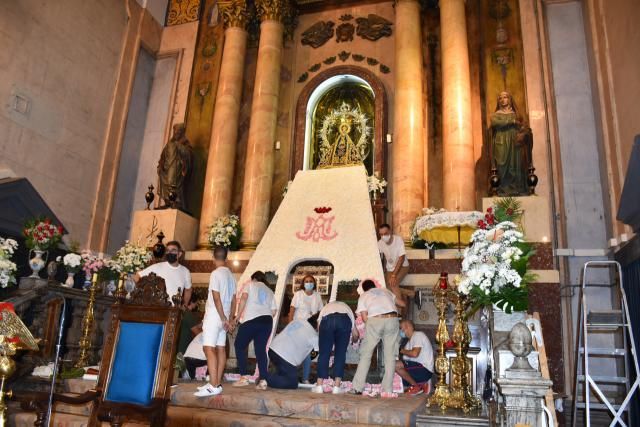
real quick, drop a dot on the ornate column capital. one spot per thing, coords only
(275, 10)
(234, 13)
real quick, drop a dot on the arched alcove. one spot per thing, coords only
(324, 84)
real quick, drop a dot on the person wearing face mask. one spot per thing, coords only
(256, 309)
(305, 303)
(416, 366)
(395, 262)
(175, 275)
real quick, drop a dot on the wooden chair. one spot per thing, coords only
(137, 364)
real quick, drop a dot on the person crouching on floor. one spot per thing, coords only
(256, 309)
(337, 325)
(288, 350)
(221, 303)
(377, 306)
(416, 367)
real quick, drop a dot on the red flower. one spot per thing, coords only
(47, 221)
(481, 224)
(490, 210)
(26, 231)
(60, 229)
(509, 211)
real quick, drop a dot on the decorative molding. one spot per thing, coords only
(234, 13)
(183, 12)
(343, 56)
(344, 32)
(274, 10)
(373, 27)
(318, 34)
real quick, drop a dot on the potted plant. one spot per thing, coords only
(226, 231)
(40, 236)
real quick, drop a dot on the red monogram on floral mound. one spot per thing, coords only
(319, 227)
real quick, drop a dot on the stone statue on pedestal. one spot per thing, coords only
(511, 145)
(175, 165)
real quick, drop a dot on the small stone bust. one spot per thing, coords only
(520, 344)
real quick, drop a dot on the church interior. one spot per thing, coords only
(478, 160)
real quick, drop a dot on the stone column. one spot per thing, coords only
(458, 169)
(408, 127)
(218, 185)
(258, 173)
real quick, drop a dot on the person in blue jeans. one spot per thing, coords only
(287, 351)
(337, 326)
(306, 302)
(256, 309)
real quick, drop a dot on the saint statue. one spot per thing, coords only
(511, 145)
(343, 151)
(175, 165)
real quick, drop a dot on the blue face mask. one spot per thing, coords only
(308, 286)
(402, 334)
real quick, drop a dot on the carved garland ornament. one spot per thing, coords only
(183, 11)
(234, 13)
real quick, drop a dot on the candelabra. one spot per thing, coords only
(441, 395)
(87, 325)
(461, 396)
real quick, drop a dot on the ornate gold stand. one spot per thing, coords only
(87, 325)
(7, 368)
(441, 395)
(461, 396)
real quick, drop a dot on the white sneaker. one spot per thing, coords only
(336, 390)
(208, 390)
(317, 389)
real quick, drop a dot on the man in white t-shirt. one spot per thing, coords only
(288, 350)
(377, 306)
(194, 356)
(394, 259)
(176, 276)
(221, 302)
(416, 368)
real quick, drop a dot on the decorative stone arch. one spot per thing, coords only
(380, 116)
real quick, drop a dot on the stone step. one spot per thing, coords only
(435, 417)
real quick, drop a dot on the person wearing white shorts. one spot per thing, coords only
(221, 303)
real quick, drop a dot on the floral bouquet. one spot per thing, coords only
(494, 268)
(7, 267)
(130, 258)
(72, 262)
(376, 184)
(91, 263)
(41, 234)
(226, 231)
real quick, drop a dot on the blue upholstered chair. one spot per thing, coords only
(137, 361)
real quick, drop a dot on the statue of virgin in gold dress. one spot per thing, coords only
(343, 151)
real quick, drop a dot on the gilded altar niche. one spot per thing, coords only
(342, 128)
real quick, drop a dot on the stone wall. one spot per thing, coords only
(58, 68)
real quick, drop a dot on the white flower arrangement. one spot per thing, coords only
(7, 267)
(376, 184)
(72, 262)
(494, 267)
(130, 258)
(226, 232)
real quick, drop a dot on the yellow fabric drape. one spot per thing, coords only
(448, 235)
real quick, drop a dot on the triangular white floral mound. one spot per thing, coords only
(325, 215)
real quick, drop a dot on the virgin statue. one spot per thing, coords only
(511, 144)
(174, 167)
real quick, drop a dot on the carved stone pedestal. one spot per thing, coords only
(175, 224)
(523, 393)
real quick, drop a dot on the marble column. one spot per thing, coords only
(218, 184)
(459, 164)
(258, 173)
(408, 124)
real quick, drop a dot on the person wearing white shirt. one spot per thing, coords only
(176, 276)
(394, 259)
(337, 325)
(256, 309)
(217, 321)
(305, 303)
(287, 351)
(416, 368)
(377, 306)
(194, 356)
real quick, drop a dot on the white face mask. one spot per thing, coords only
(308, 286)
(386, 238)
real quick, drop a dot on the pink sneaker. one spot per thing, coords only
(372, 393)
(387, 395)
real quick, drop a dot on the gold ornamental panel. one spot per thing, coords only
(183, 12)
(234, 13)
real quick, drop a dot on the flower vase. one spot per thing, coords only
(111, 287)
(87, 282)
(129, 284)
(37, 263)
(70, 280)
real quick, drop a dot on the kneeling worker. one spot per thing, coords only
(416, 368)
(288, 350)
